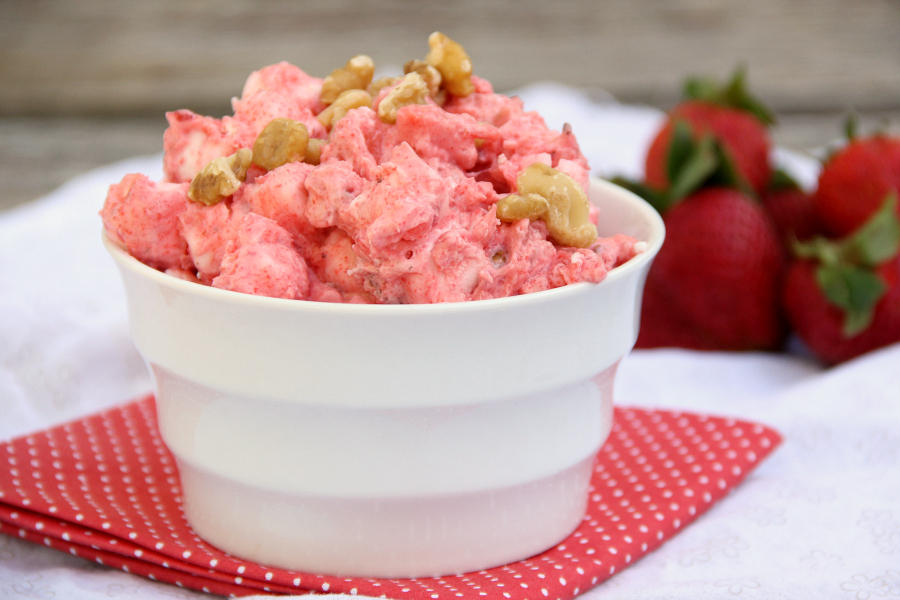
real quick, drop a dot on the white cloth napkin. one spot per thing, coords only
(819, 519)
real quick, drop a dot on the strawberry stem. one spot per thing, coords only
(851, 125)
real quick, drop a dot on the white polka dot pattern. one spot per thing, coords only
(106, 488)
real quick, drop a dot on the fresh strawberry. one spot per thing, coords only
(843, 297)
(734, 119)
(791, 209)
(715, 284)
(855, 180)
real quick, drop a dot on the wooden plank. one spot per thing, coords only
(102, 57)
(39, 155)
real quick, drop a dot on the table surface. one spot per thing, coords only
(87, 83)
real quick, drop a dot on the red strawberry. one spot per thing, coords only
(843, 298)
(732, 117)
(854, 182)
(791, 209)
(715, 284)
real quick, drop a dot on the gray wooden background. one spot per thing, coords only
(86, 82)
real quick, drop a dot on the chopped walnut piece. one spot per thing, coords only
(411, 90)
(431, 76)
(498, 258)
(554, 197)
(454, 64)
(346, 102)
(381, 83)
(355, 75)
(314, 151)
(282, 141)
(220, 178)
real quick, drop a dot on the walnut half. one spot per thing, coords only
(555, 198)
(431, 76)
(412, 89)
(454, 65)
(355, 75)
(344, 103)
(280, 142)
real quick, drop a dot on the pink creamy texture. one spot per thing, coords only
(395, 213)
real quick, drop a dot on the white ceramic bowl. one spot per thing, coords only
(389, 441)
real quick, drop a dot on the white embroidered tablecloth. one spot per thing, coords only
(819, 519)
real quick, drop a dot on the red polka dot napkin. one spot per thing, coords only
(106, 488)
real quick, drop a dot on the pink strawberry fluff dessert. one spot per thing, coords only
(422, 188)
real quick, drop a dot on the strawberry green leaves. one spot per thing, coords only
(782, 180)
(847, 271)
(691, 164)
(733, 94)
(878, 239)
(853, 289)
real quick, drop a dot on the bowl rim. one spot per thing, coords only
(649, 214)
